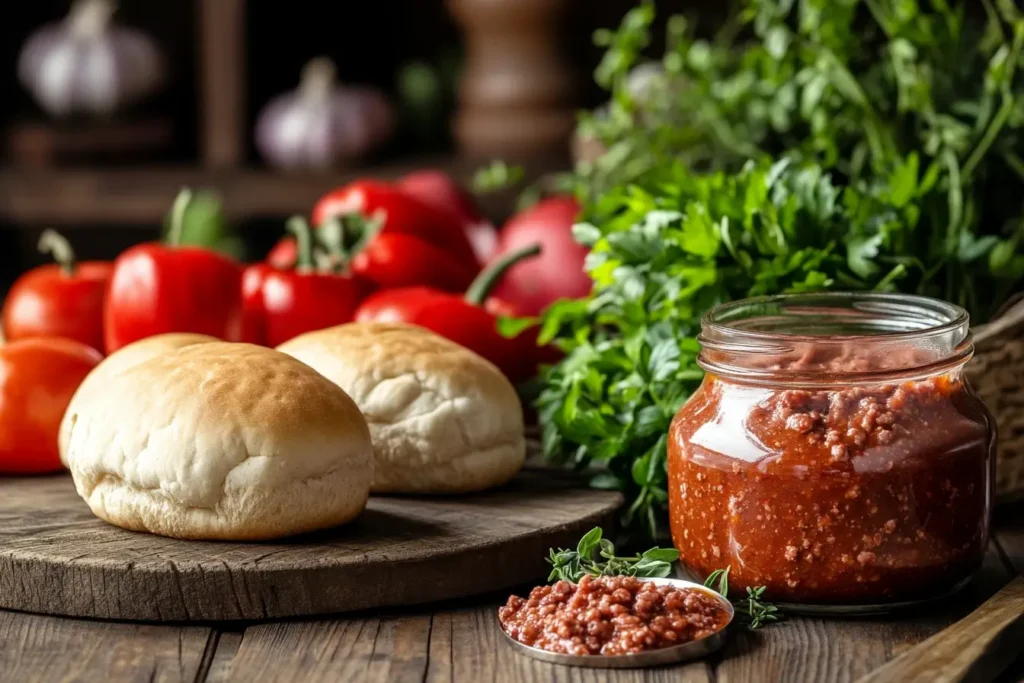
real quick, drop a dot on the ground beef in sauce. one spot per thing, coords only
(611, 615)
(850, 495)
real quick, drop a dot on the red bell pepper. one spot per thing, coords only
(417, 244)
(393, 259)
(440, 189)
(158, 288)
(64, 299)
(282, 304)
(466, 320)
(401, 212)
(254, 327)
(395, 305)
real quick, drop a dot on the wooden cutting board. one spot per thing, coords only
(57, 558)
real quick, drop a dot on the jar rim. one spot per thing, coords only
(953, 316)
(734, 333)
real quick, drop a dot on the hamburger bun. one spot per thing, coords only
(219, 441)
(442, 419)
(122, 359)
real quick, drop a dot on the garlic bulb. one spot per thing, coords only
(86, 65)
(321, 124)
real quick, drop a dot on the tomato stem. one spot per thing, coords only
(488, 279)
(178, 210)
(299, 226)
(52, 242)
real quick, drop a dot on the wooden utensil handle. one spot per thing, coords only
(976, 648)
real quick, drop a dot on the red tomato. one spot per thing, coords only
(63, 299)
(48, 302)
(558, 272)
(37, 380)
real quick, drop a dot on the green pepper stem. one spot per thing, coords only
(367, 229)
(490, 276)
(52, 242)
(347, 235)
(331, 234)
(299, 226)
(178, 210)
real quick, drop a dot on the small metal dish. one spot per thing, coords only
(694, 649)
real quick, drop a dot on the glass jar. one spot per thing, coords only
(834, 453)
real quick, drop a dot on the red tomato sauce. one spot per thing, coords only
(835, 494)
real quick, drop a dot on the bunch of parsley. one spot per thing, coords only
(671, 252)
(926, 95)
(899, 125)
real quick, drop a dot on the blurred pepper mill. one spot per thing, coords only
(517, 93)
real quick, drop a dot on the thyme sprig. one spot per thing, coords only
(573, 565)
(756, 611)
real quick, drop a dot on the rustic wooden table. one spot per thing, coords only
(459, 642)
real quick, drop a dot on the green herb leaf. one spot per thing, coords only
(777, 157)
(661, 555)
(511, 328)
(497, 176)
(719, 581)
(590, 541)
(586, 234)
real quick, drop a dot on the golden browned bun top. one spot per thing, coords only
(443, 419)
(219, 440)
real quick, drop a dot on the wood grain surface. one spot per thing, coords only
(844, 650)
(458, 641)
(57, 558)
(452, 642)
(39, 649)
(463, 644)
(458, 645)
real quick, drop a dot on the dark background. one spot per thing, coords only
(369, 42)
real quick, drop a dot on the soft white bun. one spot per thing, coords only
(122, 359)
(443, 419)
(220, 441)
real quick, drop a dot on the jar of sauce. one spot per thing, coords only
(834, 453)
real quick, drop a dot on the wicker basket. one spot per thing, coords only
(997, 374)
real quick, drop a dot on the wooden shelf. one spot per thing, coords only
(67, 198)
